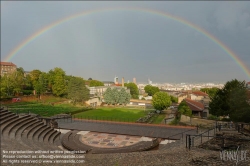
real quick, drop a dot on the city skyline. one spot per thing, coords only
(168, 41)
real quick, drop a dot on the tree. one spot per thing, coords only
(77, 91)
(95, 83)
(12, 84)
(151, 90)
(174, 99)
(41, 84)
(133, 90)
(108, 96)
(184, 109)
(34, 76)
(115, 96)
(210, 91)
(57, 79)
(124, 97)
(4, 88)
(161, 100)
(231, 100)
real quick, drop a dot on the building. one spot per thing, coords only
(198, 95)
(178, 94)
(150, 82)
(116, 80)
(94, 101)
(181, 97)
(99, 90)
(198, 109)
(7, 67)
(134, 80)
(108, 83)
(248, 85)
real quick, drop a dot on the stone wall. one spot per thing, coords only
(185, 119)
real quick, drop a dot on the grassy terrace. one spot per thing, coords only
(112, 114)
(46, 110)
(159, 119)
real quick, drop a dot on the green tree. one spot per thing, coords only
(4, 86)
(95, 83)
(231, 100)
(184, 109)
(161, 100)
(133, 90)
(57, 79)
(41, 84)
(210, 91)
(151, 90)
(124, 97)
(34, 76)
(12, 83)
(108, 96)
(27, 83)
(77, 91)
(115, 96)
(174, 99)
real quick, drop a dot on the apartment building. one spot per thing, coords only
(7, 67)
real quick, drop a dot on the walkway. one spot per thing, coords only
(136, 129)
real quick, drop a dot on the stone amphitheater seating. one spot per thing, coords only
(26, 132)
(69, 141)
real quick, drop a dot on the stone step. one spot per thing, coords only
(2, 122)
(6, 116)
(3, 110)
(51, 137)
(56, 137)
(11, 122)
(11, 127)
(2, 114)
(42, 134)
(47, 135)
(21, 127)
(31, 130)
(36, 132)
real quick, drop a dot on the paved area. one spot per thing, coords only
(104, 140)
(136, 129)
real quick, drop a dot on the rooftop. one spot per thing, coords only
(194, 105)
(7, 63)
(199, 93)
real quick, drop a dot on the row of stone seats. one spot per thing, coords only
(71, 142)
(27, 132)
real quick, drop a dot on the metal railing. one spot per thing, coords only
(198, 139)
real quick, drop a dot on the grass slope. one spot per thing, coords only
(112, 114)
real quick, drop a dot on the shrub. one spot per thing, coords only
(174, 122)
(27, 92)
(78, 111)
(212, 117)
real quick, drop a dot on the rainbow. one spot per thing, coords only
(154, 12)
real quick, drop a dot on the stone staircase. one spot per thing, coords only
(26, 132)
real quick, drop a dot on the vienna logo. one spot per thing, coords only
(234, 155)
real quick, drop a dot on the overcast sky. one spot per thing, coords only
(129, 43)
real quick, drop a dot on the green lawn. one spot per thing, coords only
(112, 114)
(41, 109)
(159, 119)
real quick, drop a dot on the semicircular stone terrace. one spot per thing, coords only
(105, 140)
